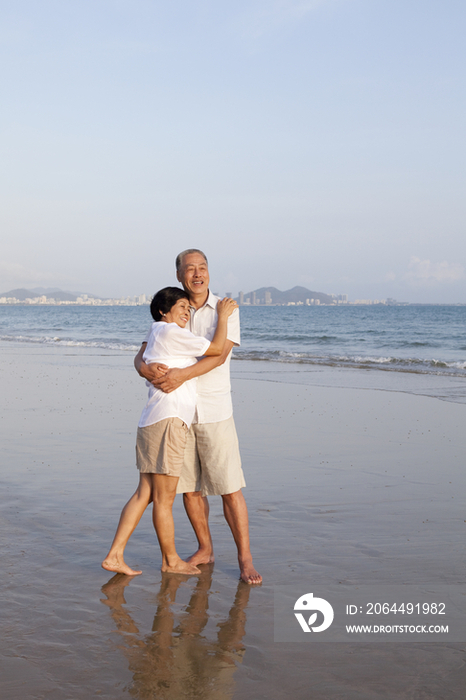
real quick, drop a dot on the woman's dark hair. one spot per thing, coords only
(164, 300)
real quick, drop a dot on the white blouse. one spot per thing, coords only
(173, 346)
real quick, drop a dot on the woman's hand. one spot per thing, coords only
(225, 307)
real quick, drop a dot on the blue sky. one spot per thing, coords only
(312, 142)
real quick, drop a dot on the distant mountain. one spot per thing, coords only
(291, 295)
(49, 292)
(23, 294)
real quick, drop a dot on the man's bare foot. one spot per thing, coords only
(202, 556)
(180, 567)
(248, 574)
(119, 567)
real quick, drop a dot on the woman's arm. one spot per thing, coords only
(177, 376)
(225, 308)
(170, 379)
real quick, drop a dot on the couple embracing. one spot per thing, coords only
(186, 441)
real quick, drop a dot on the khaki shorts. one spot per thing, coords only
(160, 447)
(212, 462)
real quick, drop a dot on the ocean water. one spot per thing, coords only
(415, 339)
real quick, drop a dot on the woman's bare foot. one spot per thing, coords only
(119, 567)
(180, 567)
(248, 574)
(202, 556)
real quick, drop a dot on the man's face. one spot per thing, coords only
(194, 274)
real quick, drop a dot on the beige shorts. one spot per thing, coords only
(160, 447)
(212, 462)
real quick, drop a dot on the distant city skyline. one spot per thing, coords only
(310, 142)
(296, 296)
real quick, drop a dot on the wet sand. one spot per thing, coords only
(346, 483)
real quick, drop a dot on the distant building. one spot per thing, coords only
(268, 298)
(228, 294)
(241, 298)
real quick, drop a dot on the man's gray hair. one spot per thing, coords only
(188, 251)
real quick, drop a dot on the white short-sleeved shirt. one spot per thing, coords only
(213, 389)
(173, 346)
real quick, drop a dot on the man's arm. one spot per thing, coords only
(152, 372)
(176, 376)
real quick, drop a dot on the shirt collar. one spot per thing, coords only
(210, 301)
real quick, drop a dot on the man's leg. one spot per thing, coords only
(236, 515)
(196, 506)
(218, 453)
(197, 510)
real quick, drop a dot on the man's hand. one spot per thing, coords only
(172, 379)
(152, 372)
(156, 372)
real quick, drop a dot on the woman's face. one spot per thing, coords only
(179, 313)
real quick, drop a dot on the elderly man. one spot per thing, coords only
(212, 460)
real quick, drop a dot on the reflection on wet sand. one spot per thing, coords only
(176, 660)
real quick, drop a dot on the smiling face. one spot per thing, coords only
(194, 276)
(179, 313)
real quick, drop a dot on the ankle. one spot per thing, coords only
(245, 560)
(206, 548)
(171, 559)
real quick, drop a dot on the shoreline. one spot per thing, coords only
(344, 484)
(442, 386)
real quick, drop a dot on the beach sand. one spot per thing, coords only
(348, 483)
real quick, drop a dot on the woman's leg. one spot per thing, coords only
(164, 492)
(130, 516)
